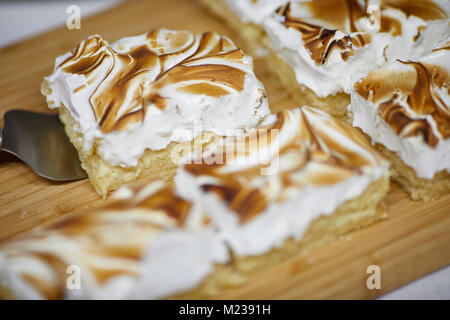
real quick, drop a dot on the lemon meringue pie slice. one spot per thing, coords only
(127, 105)
(301, 179)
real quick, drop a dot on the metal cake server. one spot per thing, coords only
(39, 140)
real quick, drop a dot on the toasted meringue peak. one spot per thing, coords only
(411, 97)
(143, 88)
(424, 9)
(321, 41)
(112, 247)
(409, 100)
(309, 147)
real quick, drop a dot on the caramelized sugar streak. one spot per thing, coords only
(129, 81)
(314, 149)
(415, 87)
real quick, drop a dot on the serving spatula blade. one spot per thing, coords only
(39, 140)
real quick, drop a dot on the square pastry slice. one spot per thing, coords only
(404, 108)
(318, 49)
(148, 243)
(298, 181)
(126, 106)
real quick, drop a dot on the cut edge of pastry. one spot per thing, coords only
(335, 105)
(105, 177)
(250, 33)
(418, 188)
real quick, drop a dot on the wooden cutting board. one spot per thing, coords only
(414, 241)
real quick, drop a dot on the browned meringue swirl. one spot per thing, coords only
(130, 79)
(314, 150)
(320, 41)
(326, 17)
(104, 242)
(424, 9)
(391, 90)
(343, 14)
(445, 47)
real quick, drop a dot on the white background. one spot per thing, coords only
(22, 19)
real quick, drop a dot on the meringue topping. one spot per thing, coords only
(130, 82)
(411, 98)
(319, 41)
(424, 9)
(330, 44)
(143, 88)
(414, 87)
(314, 149)
(115, 248)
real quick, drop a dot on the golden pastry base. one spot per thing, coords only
(106, 177)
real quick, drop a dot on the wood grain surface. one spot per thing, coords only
(414, 241)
